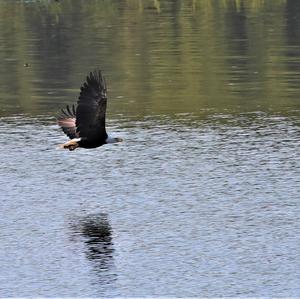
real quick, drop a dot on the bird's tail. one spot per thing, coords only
(70, 145)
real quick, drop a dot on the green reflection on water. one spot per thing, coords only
(159, 57)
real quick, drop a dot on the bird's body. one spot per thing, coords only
(85, 124)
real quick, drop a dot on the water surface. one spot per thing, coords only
(202, 197)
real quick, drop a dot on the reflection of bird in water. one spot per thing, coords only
(85, 124)
(95, 231)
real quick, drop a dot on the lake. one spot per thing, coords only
(202, 199)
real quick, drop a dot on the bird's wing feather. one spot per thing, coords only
(91, 108)
(67, 121)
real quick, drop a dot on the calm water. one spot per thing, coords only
(202, 198)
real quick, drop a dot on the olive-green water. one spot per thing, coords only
(203, 196)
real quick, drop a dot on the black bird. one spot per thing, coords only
(85, 124)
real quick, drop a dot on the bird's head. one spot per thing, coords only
(113, 139)
(117, 139)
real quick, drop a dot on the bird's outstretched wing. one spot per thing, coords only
(91, 108)
(67, 121)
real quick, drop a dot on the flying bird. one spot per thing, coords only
(84, 124)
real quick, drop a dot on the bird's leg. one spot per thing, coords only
(71, 145)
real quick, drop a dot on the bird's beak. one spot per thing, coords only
(119, 139)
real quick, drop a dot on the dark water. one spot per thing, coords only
(202, 198)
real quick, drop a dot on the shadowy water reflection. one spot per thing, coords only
(237, 55)
(95, 232)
